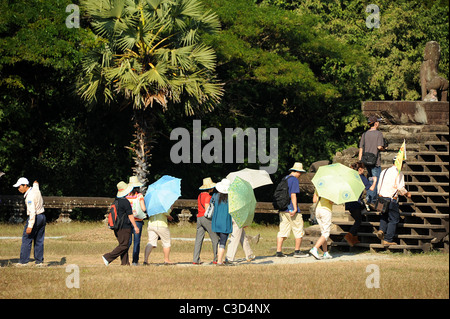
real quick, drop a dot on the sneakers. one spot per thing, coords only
(250, 258)
(300, 254)
(314, 253)
(280, 254)
(327, 255)
(105, 261)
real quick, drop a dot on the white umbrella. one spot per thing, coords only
(255, 177)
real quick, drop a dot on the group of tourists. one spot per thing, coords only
(383, 189)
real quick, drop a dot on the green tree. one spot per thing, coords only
(150, 51)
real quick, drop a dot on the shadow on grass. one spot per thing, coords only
(12, 261)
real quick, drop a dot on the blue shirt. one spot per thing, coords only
(294, 188)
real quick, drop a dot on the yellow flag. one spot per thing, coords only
(401, 155)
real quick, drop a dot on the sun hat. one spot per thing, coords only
(21, 181)
(134, 181)
(207, 184)
(298, 167)
(223, 186)
(123, 189)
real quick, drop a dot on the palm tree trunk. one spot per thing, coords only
(141, 147)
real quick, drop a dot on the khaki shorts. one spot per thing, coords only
(323, 217)
(288, 223)
(158, 232)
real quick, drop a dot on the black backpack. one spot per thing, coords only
(114, 222)
(281, 196)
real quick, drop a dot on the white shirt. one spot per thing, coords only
(34, 203)
(391, 183)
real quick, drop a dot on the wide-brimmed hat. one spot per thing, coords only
(123, 189)
(298, 167)
(134, 181)
(223, 186)
(207, 184)
(21, 181)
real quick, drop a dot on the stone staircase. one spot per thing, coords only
(424, 217)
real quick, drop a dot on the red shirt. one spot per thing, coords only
(202, 200)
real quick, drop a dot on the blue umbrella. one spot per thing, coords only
(162, 194)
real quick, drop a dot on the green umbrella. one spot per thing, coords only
(241, 202)
(338, 183)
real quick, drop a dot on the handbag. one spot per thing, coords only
(210, 210)
(382, 204)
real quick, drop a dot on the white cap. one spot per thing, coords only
(21, 181)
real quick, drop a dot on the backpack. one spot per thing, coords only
(281, 196)
(368, 159)
(114, 222)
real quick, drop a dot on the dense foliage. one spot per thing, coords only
(303, 67)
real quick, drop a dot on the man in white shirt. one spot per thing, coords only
(34, 230)
(391, 184)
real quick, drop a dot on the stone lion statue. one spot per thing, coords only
(429, 77)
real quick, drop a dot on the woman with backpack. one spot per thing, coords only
(126, 221)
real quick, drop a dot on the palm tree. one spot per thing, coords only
(150, 51)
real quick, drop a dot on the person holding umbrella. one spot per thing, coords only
(203, 223)
(159, 201)
(221, 219)
(335, 184)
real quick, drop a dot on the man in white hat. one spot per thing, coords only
(34, 230)
(291, 219)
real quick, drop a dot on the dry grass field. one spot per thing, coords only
(83, 244)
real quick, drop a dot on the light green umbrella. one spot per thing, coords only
(338, 183)
(241, 202)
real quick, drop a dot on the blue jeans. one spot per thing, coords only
(37, 236)
(389, 221)
(136, 241)
(375, 171)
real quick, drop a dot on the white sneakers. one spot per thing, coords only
(315, 253)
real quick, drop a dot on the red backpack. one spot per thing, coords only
(114, 222)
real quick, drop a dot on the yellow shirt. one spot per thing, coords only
(159, 220)
(325, 203)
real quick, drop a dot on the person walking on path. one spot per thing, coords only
(372, 142)
(292, 219)
(238, 236)
(357, 208)
(138, 207)
(34, 230)
(324, 210)
(221, 219)
(159, 228)
(123, 234)
(204, 224)
(390, 186)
